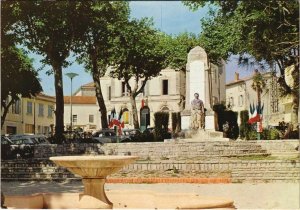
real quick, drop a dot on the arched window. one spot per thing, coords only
(126, 116)
(165, 109)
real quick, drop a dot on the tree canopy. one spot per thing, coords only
(138, 56)
(18, 78)
(267, 31)
(98, 23)
(176, 49)
(46, 28)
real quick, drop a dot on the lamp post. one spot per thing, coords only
(71, 75)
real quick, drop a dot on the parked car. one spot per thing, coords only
(23, 139)
(11, 150)
(130, 135)
(105, 136)
(40, 139)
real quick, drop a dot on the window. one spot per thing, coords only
(165, 90)
(50, 110)
(124, 89)
(74, 118)
(230, 102)
(16, 107)
(29, 107)
(109, 93)
(241, 100)
(41, 110)
(29, 128)
(125, 116)
(91, 118)
(165, 109)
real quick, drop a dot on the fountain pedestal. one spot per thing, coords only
(95, 188)
(94, 170)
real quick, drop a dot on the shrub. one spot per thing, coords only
(227, 119)
(245, 127)
(231, 118)
(251, 135)
(220, 109)
(176, 122)
(270, 134)
(161, 121)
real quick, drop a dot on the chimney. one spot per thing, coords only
(236, 76)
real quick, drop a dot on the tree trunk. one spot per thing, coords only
(99, 96)
(59, 112)
(4, 113)
(134, 112)
(258, 97)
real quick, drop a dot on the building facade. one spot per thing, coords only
(31, 115)
(240, 94)
(165, 92)
(170, 91)
(85, 113)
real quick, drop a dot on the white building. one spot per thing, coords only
(85, 112)
(239, 95)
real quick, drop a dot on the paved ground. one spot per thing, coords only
(246, 196)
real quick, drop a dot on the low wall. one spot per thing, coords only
(171, 159)
(155, 150)
(237, 170)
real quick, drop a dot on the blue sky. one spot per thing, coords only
(171, 17)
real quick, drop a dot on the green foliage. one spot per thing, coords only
(266, 31)
(138, 55)
(176, 49)
(18, 78)
(220, 109)
(46, 28)
(176, 122)
(270, 134)
(161, 121)
(98, 22)
(245, 127)
(227, 121)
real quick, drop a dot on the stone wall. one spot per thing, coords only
(156, 150)
(237, 170)
(238, 160)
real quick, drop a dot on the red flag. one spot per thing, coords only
(254, 119)
(111, 124)
(143, 103)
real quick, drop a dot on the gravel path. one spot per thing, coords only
(245, 196)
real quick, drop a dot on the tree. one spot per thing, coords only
(46, 28)
(267, 31)
(258, 84)
(18, 78)
(96, 26)
(138, 56)
(177, 47)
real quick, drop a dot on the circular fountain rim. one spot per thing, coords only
(92, 158)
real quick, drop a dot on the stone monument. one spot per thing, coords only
(206, 79)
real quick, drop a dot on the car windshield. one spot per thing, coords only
(5, 140)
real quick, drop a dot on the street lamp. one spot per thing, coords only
(71, 75)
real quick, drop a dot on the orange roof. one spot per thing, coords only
(90, 84)
(80, 99)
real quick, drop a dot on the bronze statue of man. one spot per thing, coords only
(197, 113)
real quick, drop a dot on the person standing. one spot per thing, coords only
(197, 113)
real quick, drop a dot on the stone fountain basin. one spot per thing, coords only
(122, 199)
(93, 166)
